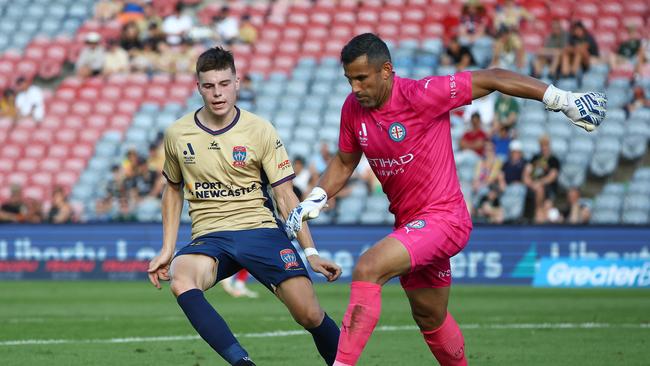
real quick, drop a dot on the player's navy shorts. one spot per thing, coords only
(266, 253)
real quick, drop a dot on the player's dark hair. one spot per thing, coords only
(215, 58)
(366, 44)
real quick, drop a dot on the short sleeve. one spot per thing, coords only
(440, 94)
(275, 160)
(171, 168)
(348, 142)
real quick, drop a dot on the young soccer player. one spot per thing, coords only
(223, 159)
(402, 126)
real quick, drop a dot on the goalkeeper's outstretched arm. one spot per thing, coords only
(586, 110)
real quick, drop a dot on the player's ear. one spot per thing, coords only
(386, 70)
(237, 83)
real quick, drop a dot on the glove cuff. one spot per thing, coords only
(555, 99)
(317, 194)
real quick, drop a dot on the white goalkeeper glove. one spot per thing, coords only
(585, 110)
(306, 210)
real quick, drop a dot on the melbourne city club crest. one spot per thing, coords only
(239, 155)
(397, 132)
(415, 224)
(289, 258)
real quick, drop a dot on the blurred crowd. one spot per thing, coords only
(150, 43)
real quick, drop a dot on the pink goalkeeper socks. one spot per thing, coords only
(359, 321)
(447, 343)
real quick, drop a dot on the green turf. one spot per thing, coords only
(105, 310)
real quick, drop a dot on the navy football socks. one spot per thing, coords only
(326, 337)
(211, 326)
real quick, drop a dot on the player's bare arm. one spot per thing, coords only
(333, 180)
(286, 200)
(172, 205)
(585, 110)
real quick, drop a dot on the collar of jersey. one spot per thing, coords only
(217, 132)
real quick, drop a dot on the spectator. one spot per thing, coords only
(550, 214)
(501, 140)
(487, 171)
(186, 56)
(92, 57)
(540, 176)
(475, 138)
(550, 54)
(489, 207)
(302, 179)
(457, 55)
(107, 10)
(506, 112)
(145, 180)
(628, 50)
(576, 211)
(513, 169)
(474, 22)
(319, 161)
(639, 100)
(117, 59)
(484, 106)
(642, 68)
(149, 25)
(177, 25)
(125, 211)
(247, 31)
(226, 26)
(33, 211)
(246, 92)
(156, 158)
(14, 208)
(61, 211)
(131, 12)
(580, 53)
(145, 60)
(105, 208)
(130, 38)
(8, 104)
(508, 52)
(30, 101)
(510, 15)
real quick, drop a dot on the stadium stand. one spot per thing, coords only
(92, 123)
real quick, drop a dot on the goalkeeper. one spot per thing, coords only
(402, 126)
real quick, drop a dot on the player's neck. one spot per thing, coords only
(214, 122)
(385, 96)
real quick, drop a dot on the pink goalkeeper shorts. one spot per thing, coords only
(430, 249)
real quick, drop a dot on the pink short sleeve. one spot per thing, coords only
(348, 142)
(441, 93)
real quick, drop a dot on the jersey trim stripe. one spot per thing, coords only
(217, 132)
(285, 179)
(169, 180)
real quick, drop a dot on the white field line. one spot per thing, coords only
(288, 333)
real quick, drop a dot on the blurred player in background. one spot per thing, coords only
(235, 286)
(223, 159)
(403, 128)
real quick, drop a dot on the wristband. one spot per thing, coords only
(554, 98)
(310, 251)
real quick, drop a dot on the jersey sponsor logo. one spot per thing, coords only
(415, 225)
(188, 155)
(197, 243)
(278, 144)
(284, 165)
(288, 256)
(386, 167)
(452, 87)
(443, 274)
(218, 189)
(363, 135)
(397, 132)
(214, 146)
(239, 154)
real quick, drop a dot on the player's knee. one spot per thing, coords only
(180, 285)
(429, 320)
(310, 318)
(365, 271)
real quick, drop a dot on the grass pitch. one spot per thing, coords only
(127, 323)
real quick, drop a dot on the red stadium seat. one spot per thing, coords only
(390, 16)
(120, 122)
(52, 165)
(289, 47)
(6, 164)
(608, 22)
(345, 17)
(127, 107)
(59, 107)
(83, 150)
(414, 15)
(34, 192)
(111, 92)
(51, 122)
(74, 164)
(266, 48)
(89, 93)
(105, 107)
(364, 27)
(42, 135)
(293, 33)
(58, 151)
(19, 135)
(312, 48)
(341, 31)
(133, 92)
(66, 178)
(42, 179)
(18, 178)
(65, 136)
(35, 151)
(66, 93)
(82, 108)
(89, 135)
(27, 165)
(97, 121)
(368, 16)
(410, 31)
(323, 18)
(12, 151)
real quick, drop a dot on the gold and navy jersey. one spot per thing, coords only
(226, 173)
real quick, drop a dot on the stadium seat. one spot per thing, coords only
(635, 217)
(572, 175)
